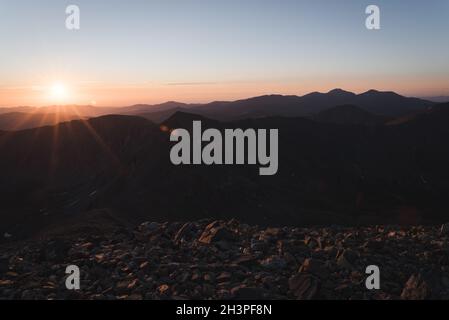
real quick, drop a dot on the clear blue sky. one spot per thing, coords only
(224, 48)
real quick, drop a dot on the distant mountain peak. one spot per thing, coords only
(374, 91)
(371, 91)
(340, 91)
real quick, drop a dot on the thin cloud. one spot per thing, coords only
(191, 83)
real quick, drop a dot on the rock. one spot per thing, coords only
(149, 227)
(444, 229)
(208, 290)
(246, 260)
(344, 263)
(167, 261)
(373, 244)
(312, 242)
(346, 259)
(196, 276)
(304, 286)
(223, 245)
(224, 276)
(125, 285)
(145, 266)
(56, 250)
(331, 251)
(274, 263)
(163, 289)
(87, 246)
(6, 283)
(247, 293)
(420, 287)
(4, 265)
(209, 277)
(314, 266)
(445, 282)
(133, 284)
(28, 295)
(185, 233)
(135, 296)
(270, 234)
(216, 232)
(257, 245)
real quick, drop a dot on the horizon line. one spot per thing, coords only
(233, 100)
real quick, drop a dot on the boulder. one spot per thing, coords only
(421, 287)
(216, 232)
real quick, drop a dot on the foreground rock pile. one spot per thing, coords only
(229, 260)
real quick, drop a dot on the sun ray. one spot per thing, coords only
(53, 157)
(23, 120)
(97, 138)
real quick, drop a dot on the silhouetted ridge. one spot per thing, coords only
(379, 103)
(386, 103)
(119, 120)
(371, 92)
(21, 120)
(160, 116)
(327, 173)
(182, 119)
(348, 114)
(341, 92)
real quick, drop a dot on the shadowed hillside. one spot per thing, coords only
(348, 114)
(327, 173)
(22, 120)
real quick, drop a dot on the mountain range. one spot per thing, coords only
(330, 171)
(384, 104)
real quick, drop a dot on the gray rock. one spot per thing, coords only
(166, 261)
(304, 286)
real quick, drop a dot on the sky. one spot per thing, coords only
(148, 51)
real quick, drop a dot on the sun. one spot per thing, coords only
(59, 92)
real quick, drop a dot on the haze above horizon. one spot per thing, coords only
(201, 51)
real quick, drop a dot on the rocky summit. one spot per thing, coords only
(229, 260)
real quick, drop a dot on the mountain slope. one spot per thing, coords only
(348, 114)
(147, 109)
(387, 104)
(22, 120)
(376, 102)
(327, 173)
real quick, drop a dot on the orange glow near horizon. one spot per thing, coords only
(104, 94)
